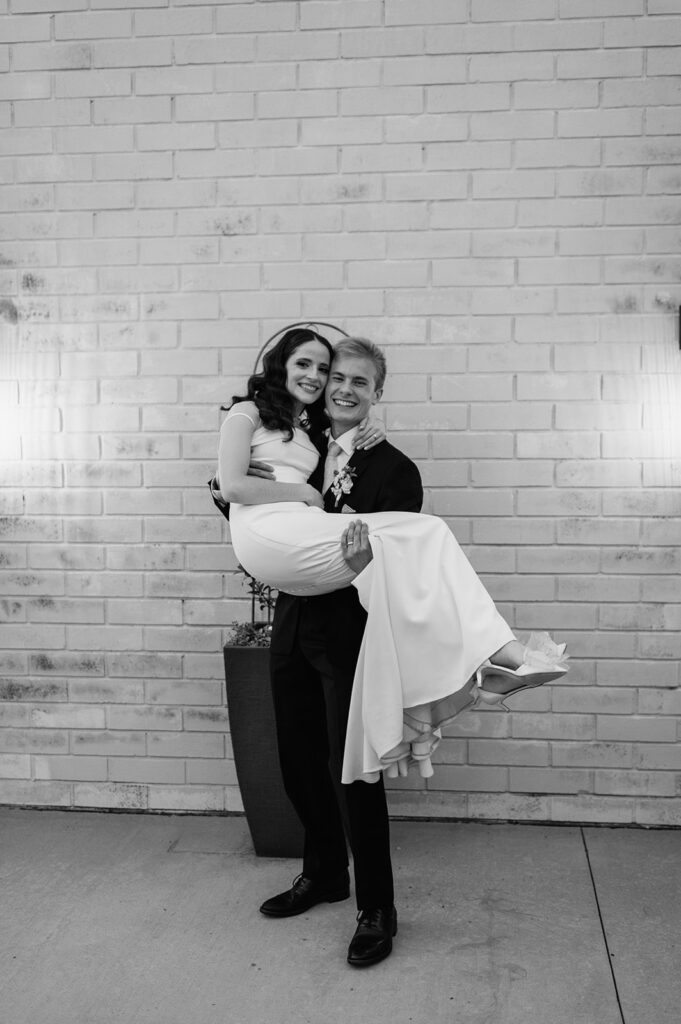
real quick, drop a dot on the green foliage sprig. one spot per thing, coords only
(251, 634)
(256, 633)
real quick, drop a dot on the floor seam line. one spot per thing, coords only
(602, 923)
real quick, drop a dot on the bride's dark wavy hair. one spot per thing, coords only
(268, 388)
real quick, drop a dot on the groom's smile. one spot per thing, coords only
(350, 392)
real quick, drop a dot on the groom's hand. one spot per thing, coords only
(261, 469)
(355, 546)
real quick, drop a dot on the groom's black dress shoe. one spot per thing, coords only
(373, 939)
(306, 893)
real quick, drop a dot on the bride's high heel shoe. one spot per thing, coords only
(543, 661)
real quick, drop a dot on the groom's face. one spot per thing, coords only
(350, 392)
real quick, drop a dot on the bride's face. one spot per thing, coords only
(307, 371)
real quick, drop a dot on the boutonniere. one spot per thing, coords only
(343, 481)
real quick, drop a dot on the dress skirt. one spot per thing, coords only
(431, 623)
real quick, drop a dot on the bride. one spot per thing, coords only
(433, 635)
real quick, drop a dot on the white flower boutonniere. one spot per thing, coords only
(342, 482)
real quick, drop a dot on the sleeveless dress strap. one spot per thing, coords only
(236, 411)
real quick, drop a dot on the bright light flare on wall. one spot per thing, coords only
(28, 406)
(14, 365)
(661, 389)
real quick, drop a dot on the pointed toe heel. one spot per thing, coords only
(543, 662)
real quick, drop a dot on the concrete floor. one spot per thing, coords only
(145, 919)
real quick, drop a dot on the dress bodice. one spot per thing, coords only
(292, 461)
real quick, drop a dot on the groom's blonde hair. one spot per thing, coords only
(365, 349)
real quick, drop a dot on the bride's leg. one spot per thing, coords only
(510, 655)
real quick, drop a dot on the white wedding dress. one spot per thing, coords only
(430, 624)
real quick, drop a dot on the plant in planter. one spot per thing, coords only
(255, 633)
(274, 826)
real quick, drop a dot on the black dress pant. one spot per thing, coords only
(311, 703)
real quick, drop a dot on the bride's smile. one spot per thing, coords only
(307, 371)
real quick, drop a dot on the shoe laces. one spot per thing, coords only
(369, 918)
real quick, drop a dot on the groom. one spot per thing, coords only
(315, 645)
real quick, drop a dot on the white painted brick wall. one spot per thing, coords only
(488, 188)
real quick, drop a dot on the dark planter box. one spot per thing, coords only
(274, 825)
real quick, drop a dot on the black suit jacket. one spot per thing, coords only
(385, 480)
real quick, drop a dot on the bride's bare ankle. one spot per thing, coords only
(510, 655)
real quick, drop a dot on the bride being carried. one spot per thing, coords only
(434, 641)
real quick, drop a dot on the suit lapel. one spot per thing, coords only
(317, 475)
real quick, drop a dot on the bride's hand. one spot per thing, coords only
(370, 433)
(313, 497)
